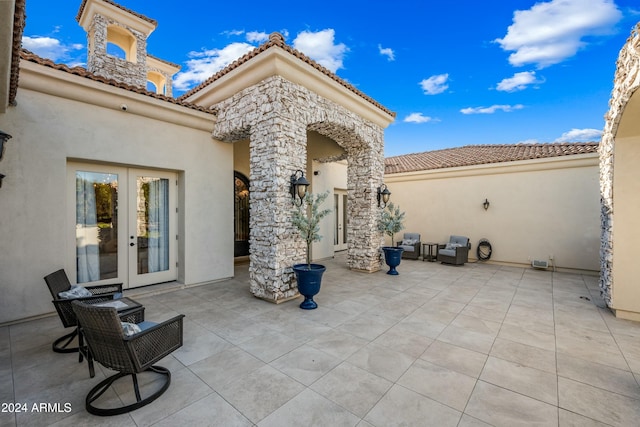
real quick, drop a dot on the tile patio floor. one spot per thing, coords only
(438, 346)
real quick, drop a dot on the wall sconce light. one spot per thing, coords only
(383, 196)
(298, 187)
(486, 204)
(4, 137)
(1, 178)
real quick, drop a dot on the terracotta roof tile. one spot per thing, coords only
(111, 2)
(164, 60)
(483, 154)
(82, 72)
(276, 39)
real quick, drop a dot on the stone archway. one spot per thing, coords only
(618, 274)
(275, 114)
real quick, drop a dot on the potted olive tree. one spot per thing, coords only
(391, 222)
(307, 220)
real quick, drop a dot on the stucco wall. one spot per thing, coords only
(49, 130)
(538, 208)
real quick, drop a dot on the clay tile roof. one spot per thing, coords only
(18, 30)
(164, 60)
(276, 39)
(483, 154)
(111, 2)
(82, 72)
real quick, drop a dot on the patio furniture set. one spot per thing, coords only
(455, 251)
(117, 336)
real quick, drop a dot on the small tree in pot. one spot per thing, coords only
(307, 221)
(391, 222)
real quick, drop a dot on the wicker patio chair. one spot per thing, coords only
(411, 245)
(455, 252)
(128, 355)
(59, 282)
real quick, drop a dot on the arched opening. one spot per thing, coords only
(123, 39)
(241, 215)
(156, 82)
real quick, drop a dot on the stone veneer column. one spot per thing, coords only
(627, 80)
(364, 175)
(275, 115)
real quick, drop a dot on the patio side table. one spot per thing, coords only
(429, 251)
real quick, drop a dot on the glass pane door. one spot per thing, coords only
(152, 240)
(340, 220)
(96, 229)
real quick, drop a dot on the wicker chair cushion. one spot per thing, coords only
(76, 291)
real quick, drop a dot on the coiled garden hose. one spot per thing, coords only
(484, 250)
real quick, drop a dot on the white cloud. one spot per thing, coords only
(580, 135)
(320, 47)
(257, 37)
(387, 51)
(232, 33)
(206, 63)
(492, 109)
(418, 118)
(435, 84)
(519, 81)
(552, 31)
(50, 48)
(528, 141)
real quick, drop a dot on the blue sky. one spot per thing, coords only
(455, 72)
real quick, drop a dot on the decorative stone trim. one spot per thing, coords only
(627, 80)
(275, 115)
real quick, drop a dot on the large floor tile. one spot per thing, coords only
(440, 384)
(598, 404)
(504, 408)
(530, 382)
(403, 407)
(211, 411)
(352, 388)
(306, 364)
(526, 355)
(225, 367)
(261, 392)
(382, 361)
(456, 358)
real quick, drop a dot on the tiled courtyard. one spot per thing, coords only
(438, 346)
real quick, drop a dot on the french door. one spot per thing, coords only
(340, 220)
(125, 224)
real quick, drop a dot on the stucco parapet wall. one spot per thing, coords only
(534, 165)
(276, 58)
(43, 79)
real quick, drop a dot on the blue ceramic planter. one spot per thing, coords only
(392, 256)
(309, 283)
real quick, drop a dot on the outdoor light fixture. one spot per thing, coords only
(3, 138)
(486, 204)
(298, 187)
(383, 196)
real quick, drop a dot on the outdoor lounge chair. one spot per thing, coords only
(128, 354)
(411, 245)
(59, 282)
(455, 252)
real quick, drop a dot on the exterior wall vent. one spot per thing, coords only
(536, 263)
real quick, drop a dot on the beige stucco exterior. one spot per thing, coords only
(60, 117)
(626, 225)
(538, 208)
